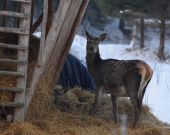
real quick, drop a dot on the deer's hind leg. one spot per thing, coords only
(137, 110)
(115, 108)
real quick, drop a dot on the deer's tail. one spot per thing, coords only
(146, 74)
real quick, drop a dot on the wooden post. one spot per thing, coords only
(59, 39)
(43, 32)
(19, 113)
(71, 37)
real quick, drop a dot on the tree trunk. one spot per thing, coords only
(142, 38)
(161, 54)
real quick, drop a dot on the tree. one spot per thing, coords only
(135, 8)
(161, 9)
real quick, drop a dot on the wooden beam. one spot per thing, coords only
(19, 114)
(11, 104)
(12, 46)
(13, 14)
(23, 1)
(36, 24)
(11, 90)
(59, 46)
(11, 73)
(49, 15)
(71, 37)
(13, 61)
(13, 30)
(59, 33)
(43, 32)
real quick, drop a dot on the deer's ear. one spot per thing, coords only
(102, 36)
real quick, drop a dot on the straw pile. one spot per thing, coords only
(44, 118)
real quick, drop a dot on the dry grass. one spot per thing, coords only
(44, 118)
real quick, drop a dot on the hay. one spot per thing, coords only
(22, 129)
(45, 119)
(6, 82)
(75, 100)
(42, 102)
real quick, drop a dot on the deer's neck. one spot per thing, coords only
(93, 59)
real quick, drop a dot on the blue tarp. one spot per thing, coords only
(74, 73)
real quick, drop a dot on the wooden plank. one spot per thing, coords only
(11, 104)
(12, 46)
(14, 30)
(63, 36)
(13, 14)
(43, 33)
(71, 37)
(11, 90)
(58, 20)
(12, 73)
(23, 1)
(13, 61)
(19, 114)
(63, 23)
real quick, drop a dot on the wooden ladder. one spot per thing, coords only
(19, 91)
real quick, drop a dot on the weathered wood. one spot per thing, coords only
(13, 14)
(71, 37)
(11, 73)
(59, 19)
(36, 24)
(11, 46)
(23, 1)
(63, 23)
(19, 114)
(4, 7)
(11, 104)
(14, 30)
(59, 46)
(13, 61)
(43, 32)
(49, 16)
(11, 90)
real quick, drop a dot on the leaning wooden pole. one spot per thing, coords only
(71, 37)
(58, 41)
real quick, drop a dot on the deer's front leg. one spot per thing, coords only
(114, 105)
(98, 94)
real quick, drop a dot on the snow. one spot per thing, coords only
(157, 95)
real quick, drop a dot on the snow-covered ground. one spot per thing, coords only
(158, 91)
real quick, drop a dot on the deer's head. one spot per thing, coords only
(93, 42)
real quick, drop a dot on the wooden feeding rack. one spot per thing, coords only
(54, 47)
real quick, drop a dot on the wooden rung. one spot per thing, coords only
(13, 61)
(13, 30)
(11, 90)
(24, 1)
(13, 14)
(11, 73)
(11, 104)
(12, 46)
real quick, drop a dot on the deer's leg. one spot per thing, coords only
(98, 94)
(114, 105)
(137, 110)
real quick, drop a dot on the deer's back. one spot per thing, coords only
(114, 72)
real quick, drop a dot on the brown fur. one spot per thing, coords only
(120, 78)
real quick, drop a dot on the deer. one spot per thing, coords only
(119, 78)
